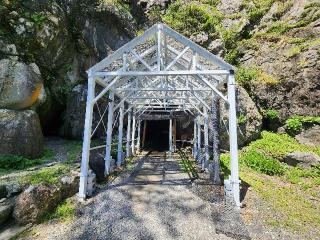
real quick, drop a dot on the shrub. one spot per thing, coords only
(278, 145)
(154, 14)
(241, 119)
(192, 18)
(265, 155)
(271, 114)
(262, 163)
(245, 76)
(296, 124)
(257, 10)
(233, 56)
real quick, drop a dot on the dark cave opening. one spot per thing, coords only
(157, 135)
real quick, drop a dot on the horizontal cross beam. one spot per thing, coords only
(162, 73)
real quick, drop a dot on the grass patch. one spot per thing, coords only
(291, 205)
(256, 9)
(278, 145)
(264, 155)
(9, 163)
(50, 175)
(188, 166)
(261, 163)
(64, 211)
(246, 76)
(74, 151)
(292, 52)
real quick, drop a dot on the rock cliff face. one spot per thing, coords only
(274, 43)
(286, 49)
(64, 38)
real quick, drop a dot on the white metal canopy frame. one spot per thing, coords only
(158, 73)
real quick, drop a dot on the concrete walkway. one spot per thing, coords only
(153, 202)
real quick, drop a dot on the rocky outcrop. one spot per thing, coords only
(64, 38)
(290, 81)
(8, 51)
(32, 204)
(20, 84)
(3, 191)
(74, 115)
(5, 210)
(20, 133)
(295, 89)
(249, 120)
(148, 5)
(302, 159)
(69, 185)
(13, 189)
(310, 136)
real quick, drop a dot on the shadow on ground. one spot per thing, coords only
(156, 201)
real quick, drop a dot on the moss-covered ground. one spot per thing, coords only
(292, 194)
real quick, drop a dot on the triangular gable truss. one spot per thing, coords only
(150, 72)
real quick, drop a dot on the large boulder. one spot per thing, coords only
(310, 136)
(3, 191)
(249, 120)
(302, 159)
(97, 164)
(35, 202)
(8, 51)
(20, 84)
(20, 133)
(5, 210)
(13, 189)
(69, 185)
(32, 204)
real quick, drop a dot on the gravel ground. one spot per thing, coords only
(153, 202)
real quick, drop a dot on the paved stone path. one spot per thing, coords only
(153, 202)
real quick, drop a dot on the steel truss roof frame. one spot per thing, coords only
(160, 72)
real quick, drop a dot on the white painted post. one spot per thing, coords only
(133, 135)
(120, 134)
(108, 156)
(159, 50)
(128, 135)
(170, 136)
(206, 139)
(199, 140)
(87, 138)
(138, 137)
(234, 178)
(195, 138)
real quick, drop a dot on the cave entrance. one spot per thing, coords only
(156, 135)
